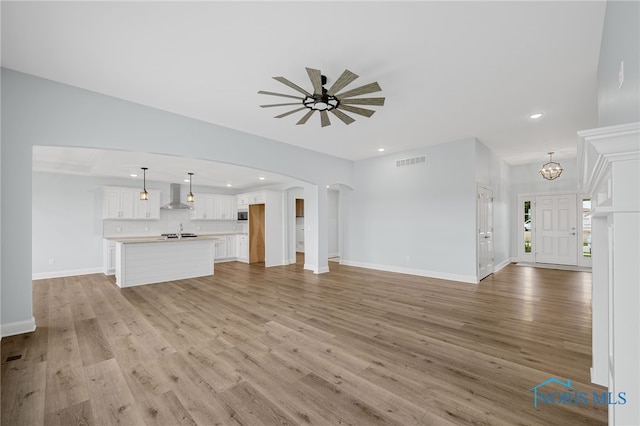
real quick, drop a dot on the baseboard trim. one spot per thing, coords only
(18, 327)
(322, 270)
(71, 273)
(503, 264)
(470, 279)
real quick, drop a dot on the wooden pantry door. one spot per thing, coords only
(256, 233)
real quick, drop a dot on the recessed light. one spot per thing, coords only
(380, 149)
(229, 185)
(186, 180)
(536, 115)
(133, 174)
(262, 178)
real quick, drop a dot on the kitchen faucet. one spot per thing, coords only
(180, 231)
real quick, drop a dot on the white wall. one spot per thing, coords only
(417, 219)
(620, 42)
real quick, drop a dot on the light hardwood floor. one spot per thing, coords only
(280, 346)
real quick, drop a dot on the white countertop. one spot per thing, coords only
(158, 238)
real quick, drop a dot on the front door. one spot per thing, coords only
(555, 229)
(485, 232)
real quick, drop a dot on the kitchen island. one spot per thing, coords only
(149, 260)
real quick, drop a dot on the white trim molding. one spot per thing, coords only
(18, 327)
(609, 166)
(411, 271)
(70, 273)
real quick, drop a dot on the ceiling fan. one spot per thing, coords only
(328, 100)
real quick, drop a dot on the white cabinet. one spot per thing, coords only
(109, 257)
(148, 209)
(245, 200)
(119, 203)
(203, 207)
(224, 208)
(242, 247)
(125, 203)
(213, 207)
(231, 246)
(220, 249)
(225, 248)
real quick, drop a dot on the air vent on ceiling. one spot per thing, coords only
(411, 161)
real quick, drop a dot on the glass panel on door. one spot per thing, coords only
(527, 226)
(586, 228)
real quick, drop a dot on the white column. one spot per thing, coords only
(316, 240)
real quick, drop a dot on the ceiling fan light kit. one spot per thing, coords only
(551, 170)
(328, 100)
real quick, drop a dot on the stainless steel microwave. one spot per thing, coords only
(243, 215)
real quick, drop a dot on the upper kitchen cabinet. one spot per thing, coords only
(148, 209)
(224, 208)
(245, 200)
(213, 207)
(125, 203)
(203, 207)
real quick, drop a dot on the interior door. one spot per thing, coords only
(256, 233)
(485, 232)
(555, 229)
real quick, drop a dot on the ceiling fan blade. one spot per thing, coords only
(262, 92)
(342, 116)
(306, 117)
(292, 85)
(324, 119)
(342, 81)
(316, 80)
(277, 105)
(364, 101)
(290, 112)
(356, 110)
(362, 90)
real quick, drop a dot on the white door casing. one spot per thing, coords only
(485, 232)
(556, 229)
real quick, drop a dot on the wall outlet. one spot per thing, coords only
(146, 229)
(408, 258)
(118, 228)
(52, 261)
(198, 228)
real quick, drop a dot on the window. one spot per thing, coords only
(586, 228)
(527, 226)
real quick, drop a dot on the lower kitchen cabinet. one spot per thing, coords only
(109, 257)
(242, 247)
(220, 249)
(226, 248)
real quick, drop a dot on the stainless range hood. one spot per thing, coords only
(174, 201)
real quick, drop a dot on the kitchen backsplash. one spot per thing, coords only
(168, 223)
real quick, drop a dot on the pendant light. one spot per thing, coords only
(551, 170)
(144, 195)
(190, 197)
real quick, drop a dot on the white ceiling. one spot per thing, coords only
(161, 168)
(448, 70)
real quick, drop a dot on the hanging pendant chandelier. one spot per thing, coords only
(551, 170)
(144, 195)
(190, 197)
